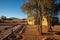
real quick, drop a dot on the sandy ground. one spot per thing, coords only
(32, 33)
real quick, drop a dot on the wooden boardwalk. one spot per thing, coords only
(8, 31)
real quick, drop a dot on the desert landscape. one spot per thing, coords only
(29, 19)
(27, 32)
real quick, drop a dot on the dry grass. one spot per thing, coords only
(12, 21)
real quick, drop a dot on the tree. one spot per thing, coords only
(38, 9)
(31, 7)
(3, 17)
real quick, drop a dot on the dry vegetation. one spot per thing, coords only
(12, 21)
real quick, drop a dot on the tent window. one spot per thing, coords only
(29, 20)
(43, 19)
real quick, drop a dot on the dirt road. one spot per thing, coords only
(31, 33)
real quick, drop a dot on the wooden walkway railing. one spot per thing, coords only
(7, 33)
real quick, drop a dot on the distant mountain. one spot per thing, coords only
(13, 18)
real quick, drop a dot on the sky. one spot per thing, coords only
(57, 2)
(11, 8)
